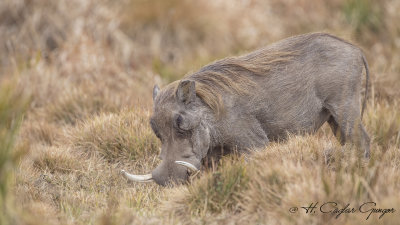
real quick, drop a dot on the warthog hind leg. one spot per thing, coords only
(348, 128)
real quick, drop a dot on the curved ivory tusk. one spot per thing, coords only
(137, 178)
(190, 166)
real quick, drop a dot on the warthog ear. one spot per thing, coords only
(186, 91)
(156, 89)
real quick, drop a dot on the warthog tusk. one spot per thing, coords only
(190, 166)
(137, 178)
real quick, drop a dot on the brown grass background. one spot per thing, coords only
(76, 82)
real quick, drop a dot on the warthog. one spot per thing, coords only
(242, 103)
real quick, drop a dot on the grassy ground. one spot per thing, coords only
(75, 98)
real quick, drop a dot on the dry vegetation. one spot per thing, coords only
(75, 98)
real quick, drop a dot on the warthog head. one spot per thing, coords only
(178, 120)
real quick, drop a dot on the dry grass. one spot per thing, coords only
(89, 67)
(260, 190)
(213, 193)
(116, 137)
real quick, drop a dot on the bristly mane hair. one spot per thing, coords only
(231, 75)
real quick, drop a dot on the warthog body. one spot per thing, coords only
(240, 103)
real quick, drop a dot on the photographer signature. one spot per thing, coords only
(368, 208)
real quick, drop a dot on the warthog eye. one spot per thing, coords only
(179, 121)
(181, 126)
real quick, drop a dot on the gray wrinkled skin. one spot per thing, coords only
(321, 83)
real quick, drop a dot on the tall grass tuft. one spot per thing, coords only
(220, 190)
(384, 122)
(214, 193)
(12, 107)
(126, 135)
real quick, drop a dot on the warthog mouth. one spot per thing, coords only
(148, 177)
